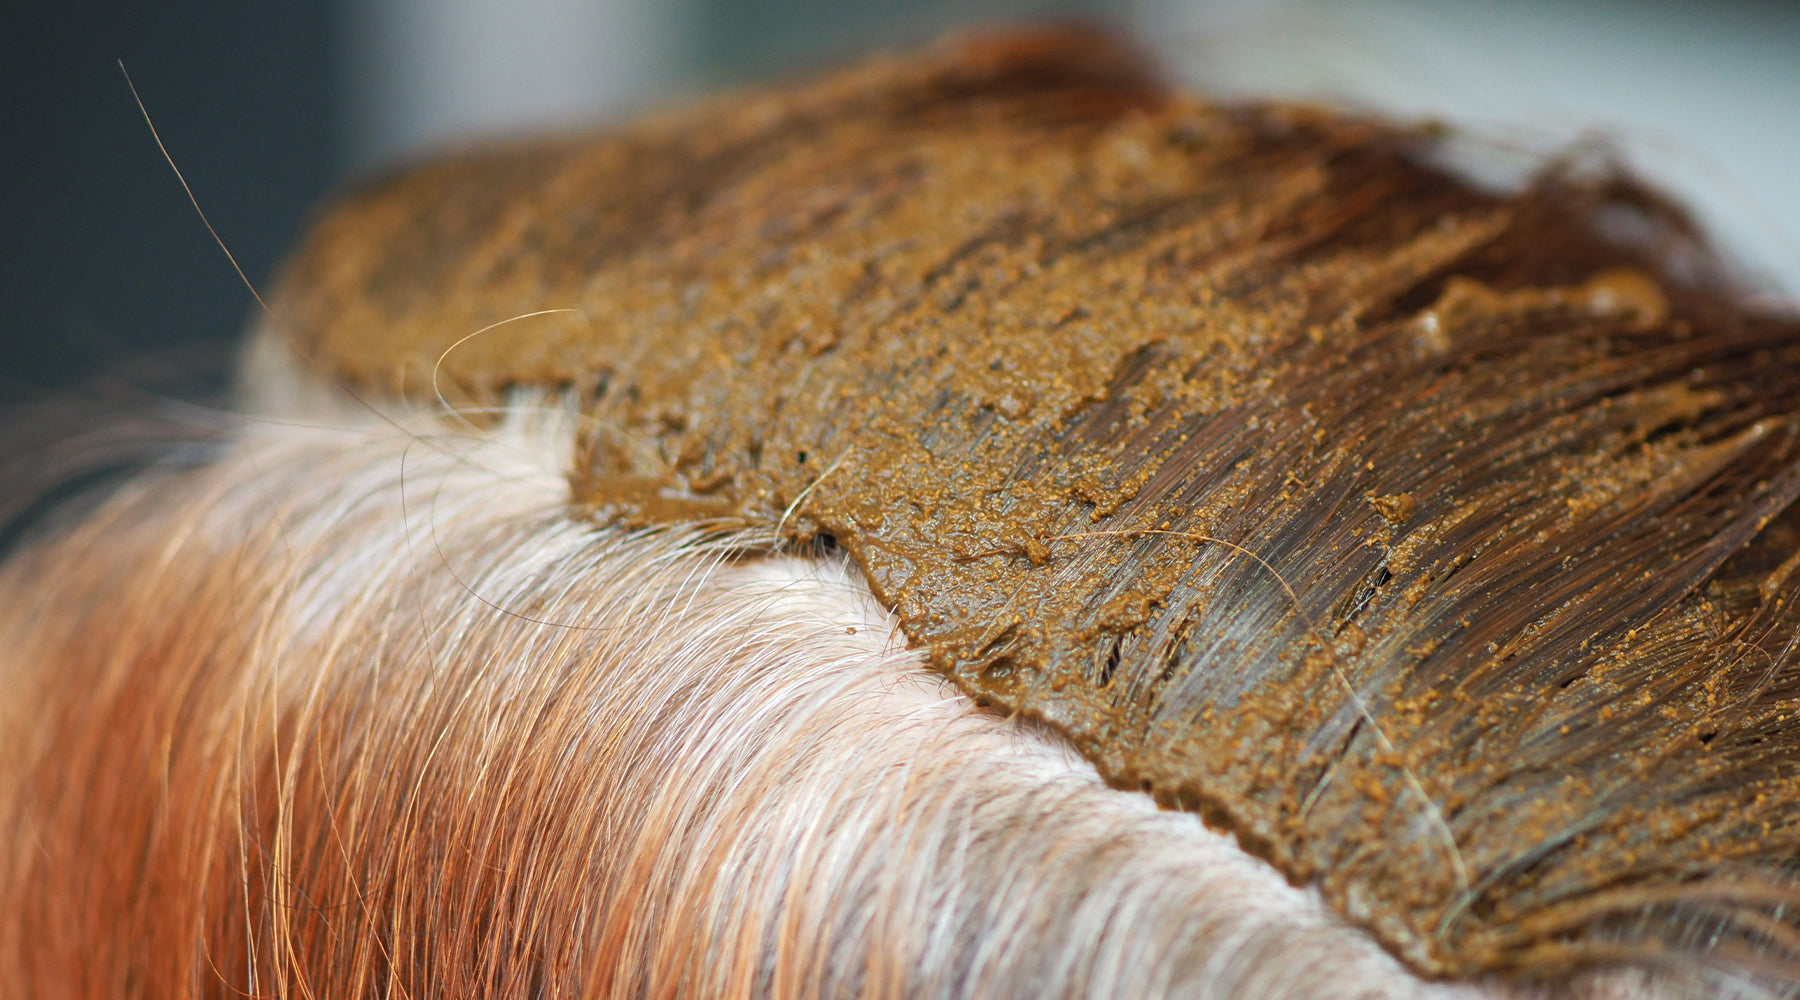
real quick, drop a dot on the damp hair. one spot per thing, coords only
(1459, 564)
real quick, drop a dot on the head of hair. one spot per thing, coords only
(1437, 542)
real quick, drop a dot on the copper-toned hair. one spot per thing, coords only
(1437, 543)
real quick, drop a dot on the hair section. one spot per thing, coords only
(363, 712)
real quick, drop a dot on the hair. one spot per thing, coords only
(914, 503)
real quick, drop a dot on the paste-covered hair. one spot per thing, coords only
(1436, 541)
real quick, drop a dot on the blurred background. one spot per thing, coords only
(265, 104)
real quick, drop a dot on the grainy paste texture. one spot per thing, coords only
(1436, 541)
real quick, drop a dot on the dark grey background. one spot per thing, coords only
(103, 256)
